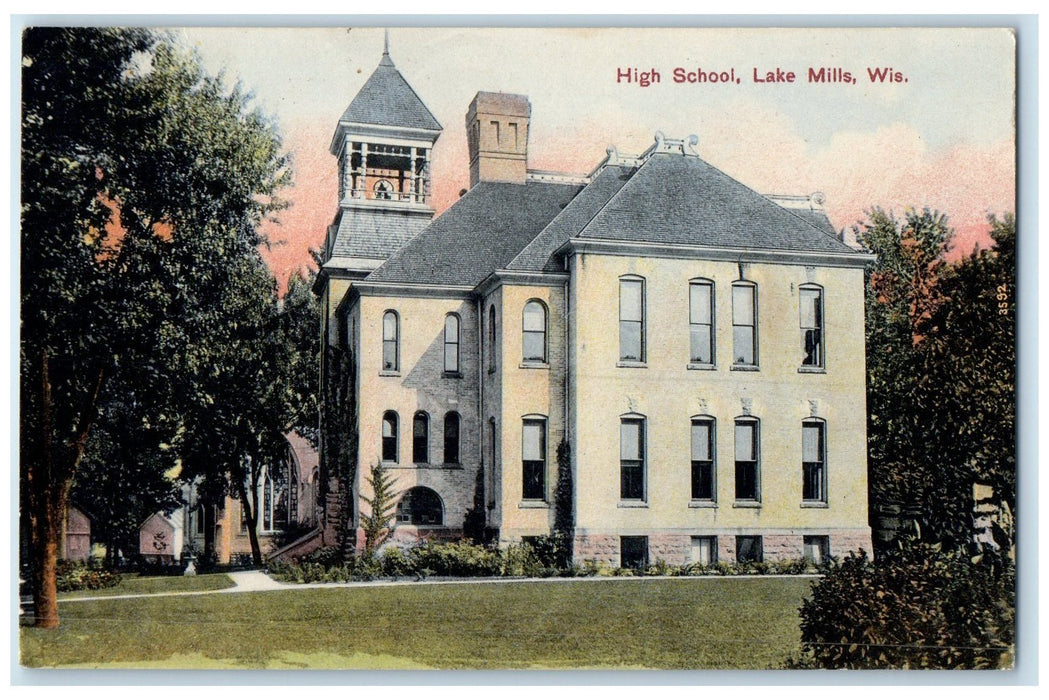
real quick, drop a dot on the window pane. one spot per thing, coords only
(703, 480)
(743, 344)
(630, 340)
(451, 358)
(534, 346)
(451, 438)
(533, 448)
(419, 439)
(745, 442)
(451, 329)
(389, 327)
(810, 316)
(630, 300)
(701, 345)
(630, 440)
(701, 440)
(534, 317)
(699, 303)
(811, 447)
(743, 305)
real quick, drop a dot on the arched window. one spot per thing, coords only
(451, 343)
(632, 457)
(389, 436)
(704, 472)
(632, 319)
(420, 438)
(451, 438)
(533, 339)
(701, 321)
(420, 506)
(744, 324)
(811, 298)
(390, 342)
(533, 458)
(491, 338)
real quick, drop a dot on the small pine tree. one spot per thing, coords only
(378, 525)
(474, 522)
(564, 517)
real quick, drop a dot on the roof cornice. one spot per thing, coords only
(411, 289)
(598, 246)
(521, 278)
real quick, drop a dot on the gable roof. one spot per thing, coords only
(482, 232)
(537, 255)
(388, 100)
(677, 199)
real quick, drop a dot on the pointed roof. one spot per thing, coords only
(388, 100)
(684, 200)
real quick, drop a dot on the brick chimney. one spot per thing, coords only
(497, 135)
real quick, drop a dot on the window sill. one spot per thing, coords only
(814, 504)
(452, 375)
(533, 365)
(534, 504)
(701, 365)
(632, 504)
(744, 368)
(812, 370)
(632, 364)
(747, 504)
(702, 504)
(389, 373)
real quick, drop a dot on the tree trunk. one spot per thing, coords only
(46, 531)
(251, 515)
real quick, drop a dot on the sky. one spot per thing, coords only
(942, 135)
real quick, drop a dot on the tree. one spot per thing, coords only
(140, 176)
(378, 524)
(940, 371)
(300, 316)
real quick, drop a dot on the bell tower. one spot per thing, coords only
(383, 144)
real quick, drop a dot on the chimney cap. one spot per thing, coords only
(501, 103)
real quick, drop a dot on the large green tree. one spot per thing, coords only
(940, 371)
(141, 176)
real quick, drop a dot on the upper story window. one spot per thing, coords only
(533, 459)
(451, 343)
(744, 324)
(748, 456)
(451, 438)
(811, 298)
(701, 321)
(389, 436)
(632, 319)
(632, 459)
(491, 338)
(390, 341)
(421, 438)
(533, 340)
(703, 471)
(813, 461)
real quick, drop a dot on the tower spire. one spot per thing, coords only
(386, 43)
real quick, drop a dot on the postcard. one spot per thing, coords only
(518, 348)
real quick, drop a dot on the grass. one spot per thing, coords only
(132, 584)
(687, 623)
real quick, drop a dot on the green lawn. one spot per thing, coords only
(686, 623)
(132, 584)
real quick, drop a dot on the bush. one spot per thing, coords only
(77, 576)
(918, 607)
(456, 559)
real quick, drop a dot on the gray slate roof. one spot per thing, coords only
(537, 254)
(364, 233)
(677, 199)
(482, 232)
(388, 100)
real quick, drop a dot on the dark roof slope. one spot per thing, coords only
(367, 233)
(388, 100)
(482, 232)
(679, 199)
(537, 254)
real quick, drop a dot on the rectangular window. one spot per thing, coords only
(533, 456)
(701, 322)
(816, 548)
(748, 548)
(451, 343)
(747, 460)
(703, 459)
(744, 326)
(704, 550)
(632, 320)
(813, 462)
(632, 459)
(811, 327)
(633, 552)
